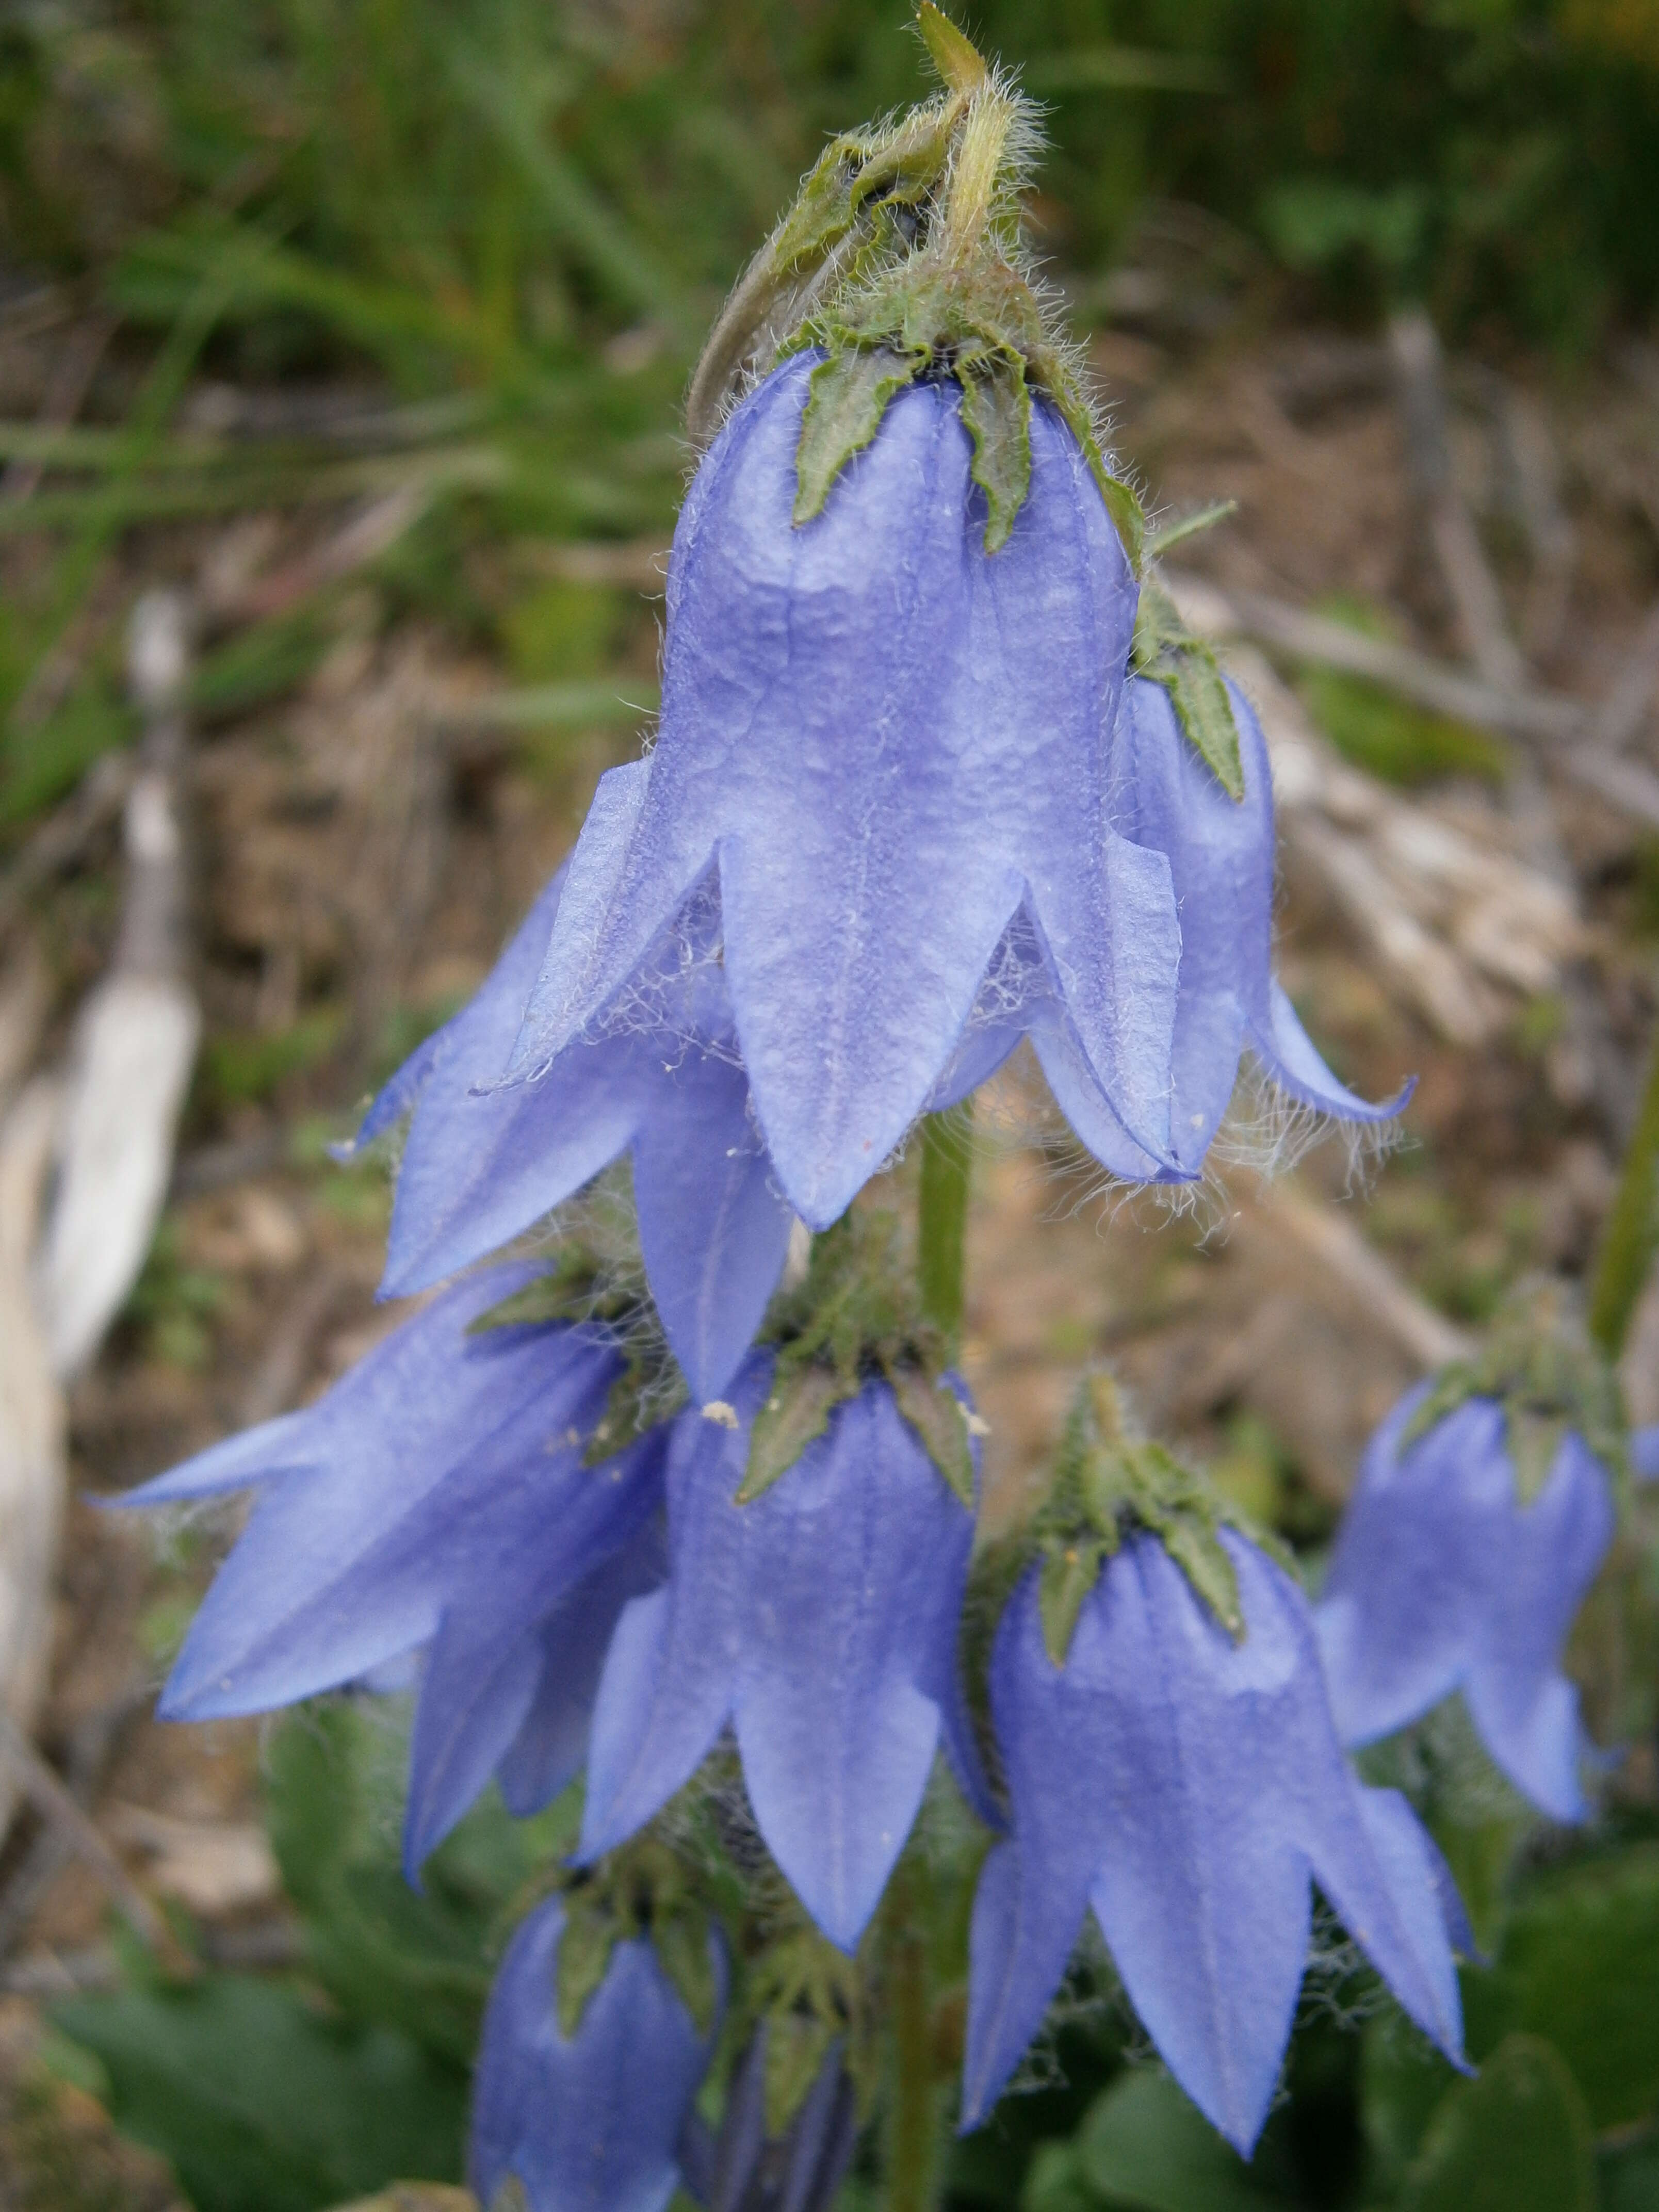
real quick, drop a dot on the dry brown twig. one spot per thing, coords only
(135, 1037)
(108, 1129)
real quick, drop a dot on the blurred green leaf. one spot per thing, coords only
(1403, 2080)
(1054, 2182)
(562, 631)
(419, 1961)
(262, 2103)
(1629, 2177)
(1380, 731)
(240, 1066)
(1580, 1964)
(1145, 2144)
(1312, 221)
(1516, 2140)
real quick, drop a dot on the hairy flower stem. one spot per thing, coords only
(946, 1156)
(1632, 1233)
(914, 2131)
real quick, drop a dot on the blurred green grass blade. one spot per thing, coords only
(40, 766)
(140, 497)
(1124, 69)
(575, 212)
(399, 324)
(259, 665)
(102, 516)
(569, 705)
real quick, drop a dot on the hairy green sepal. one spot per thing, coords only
(642, 1890)
(847, 399)
(578, 1288)
(1166, 651)
(1108, 1487)
(1539, 1362)
(856, 1318)
(980, 322)
(805, 1997)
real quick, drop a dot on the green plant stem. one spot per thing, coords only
(1631, 1234)
(912, 2135)
(947, 1143)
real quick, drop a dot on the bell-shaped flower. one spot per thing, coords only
(1445, 1578)
(741, 2169)
(663, 1086)
(819, 1621)
(1163, 795)
(591, 2120)
(439, 1500)
(884, 744)
(1190, 1790)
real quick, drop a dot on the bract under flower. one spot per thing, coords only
(588, 2121)
(1444, 1580)
(887, 744)
(820, 1621)
(479, 1166)
(1189, 1789)
(436, 1498)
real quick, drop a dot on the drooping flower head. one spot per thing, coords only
(443, 1498)
(1168, 799)
(584, 2084)
(819, 1528)
(1485, 1506)
(1171, 1764)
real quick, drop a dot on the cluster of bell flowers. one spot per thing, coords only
(909, 805)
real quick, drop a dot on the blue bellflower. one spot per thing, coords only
(884, 745)
(589, 2122)
(434, 1500)
(1442, 1580)
(1190, 1789)
(819, 1621)
(1164, 797)
(664, 1086)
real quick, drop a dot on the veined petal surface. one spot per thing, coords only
(819, 1621)
(1191, 1789)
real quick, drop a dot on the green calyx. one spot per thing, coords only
(805, 1998)
(641, 1890)
(1107, 1487)
(902, 257)
(854, 1319)
(1167, 652)
(1540, 1363)
(580, 1287)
